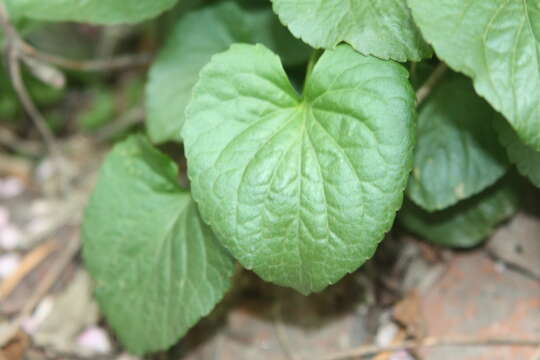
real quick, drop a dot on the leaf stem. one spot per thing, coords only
(424, 91)
(315, 55)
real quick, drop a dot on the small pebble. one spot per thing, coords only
(500, 267)
(95, 340)
(39, 226)
(44, 171)
(10, 187)
(401, 355)
(10, 237)
(8, 264)
(126, 356)
(386, 334)
(4, 217)
(31, 324)
(40, 207)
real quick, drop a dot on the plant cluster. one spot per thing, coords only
(299, 159)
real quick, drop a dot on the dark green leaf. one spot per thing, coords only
(300, 188)
(496, 42)
(466, 224)
(527, 160)
(157, 266)
(457, 154)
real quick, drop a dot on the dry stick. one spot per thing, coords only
(45, 72)
(29, 263)
(18, 49)
(14, 66)
(38, 119)
(44, 286)
(29, 148)
(120, 62)
(50, 279)
(433, 79)
(26, 100)
(366, 350)
(24, 49)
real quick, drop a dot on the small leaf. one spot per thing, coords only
(466, 224)
(383, 28)
(195, 38)
(496, 42)
(300, 189)
(457, 154)
(527, 160)
(157, 266)
(91, 11)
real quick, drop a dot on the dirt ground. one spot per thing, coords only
(412, 301)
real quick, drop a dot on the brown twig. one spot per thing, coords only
(25, 49)
(41, 65)
(366, 350)
(14, 57)
(32, 111)
(48, 74)
(433, 79)
(29, 263)
(120, 62)
(11, 141)
(50, 279)
(44, 286)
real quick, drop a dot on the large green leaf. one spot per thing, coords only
(383, 28)
(466, 224)
(157, 266)
(496, 42)
(527, 159)
(92, 11)
(458, 154)
(300, 188)
(195, 38)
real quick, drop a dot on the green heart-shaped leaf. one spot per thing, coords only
(497, 43)
(300, 188)
(158, 267)
(383, 28)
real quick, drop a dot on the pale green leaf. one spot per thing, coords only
(191, 44)
(457, 154)
(467, 223)
(158, 267)
(527, 159)
(91, 11)
(496, 42)
(383, 28)
(300, 188)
